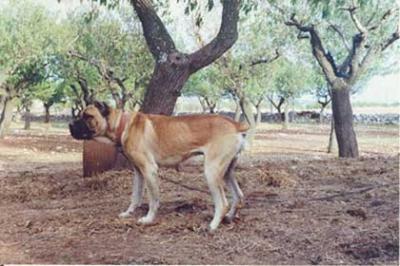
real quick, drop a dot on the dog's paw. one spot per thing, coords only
(212, 227)
(145, 220)
(228, 219)
(125, 214)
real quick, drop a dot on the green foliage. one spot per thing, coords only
(29, 38)
(206, 84)
(34, 47)
(325, 13)
(117, 45)
(290, 80)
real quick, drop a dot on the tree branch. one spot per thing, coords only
(341, 35)
(357, 23)
(353, 60)
(224, 40)
(324, 59)
(103, 71)
(394, 37)
(266, 60)
(384, 17)
(157, 37)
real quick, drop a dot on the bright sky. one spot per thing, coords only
(384, 89)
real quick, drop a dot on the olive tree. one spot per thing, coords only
(346, 39)
(28, 38)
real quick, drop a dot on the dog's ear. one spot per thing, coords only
(103, 108)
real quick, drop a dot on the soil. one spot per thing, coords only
(303, 206)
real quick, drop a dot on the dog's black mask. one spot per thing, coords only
(80, 130)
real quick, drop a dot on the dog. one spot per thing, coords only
(149, 141)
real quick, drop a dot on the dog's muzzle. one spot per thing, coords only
(80, 130)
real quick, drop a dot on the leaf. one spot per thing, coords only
(325, 13)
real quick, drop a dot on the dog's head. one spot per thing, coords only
(91, 123)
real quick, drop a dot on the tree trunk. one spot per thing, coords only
(258, 118)
(28, 118)
(6, 108)
(247, 111)
(237, 111)
(321, 114)
(343, 118)
(173, 68)
(271, 108)
(212, 109)
(203, 105)
(332, 144)
(47, 113)
(286, 115)
(164, 88)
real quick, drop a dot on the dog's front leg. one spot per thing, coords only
(137, 194)
(150, 175)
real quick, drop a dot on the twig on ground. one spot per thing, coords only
(346, 193)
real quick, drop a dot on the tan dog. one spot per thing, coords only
(150, 141)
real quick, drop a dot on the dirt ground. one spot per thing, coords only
(303, 206)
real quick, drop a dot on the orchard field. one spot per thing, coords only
(306, 62)
(303, 206)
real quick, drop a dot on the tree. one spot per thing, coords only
(376, 28)
(207, 86)
(289, 82)
(251, 64)
(172, 67)
(49, 93)
(320, 89)
(27, 39)
(118, 53)
(79, 81)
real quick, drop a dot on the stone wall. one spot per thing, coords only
(294, 117)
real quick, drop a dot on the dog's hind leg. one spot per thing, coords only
(237, 194)
(213, 171)
(137, 194)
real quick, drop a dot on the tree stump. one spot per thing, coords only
(100, 157)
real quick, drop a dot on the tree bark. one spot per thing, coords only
(173, 68)
(343, 118)
(165, 87)
(247, 111)
(286, 115)
(258, 117)
(212, 109)
(6, 106)
(332, 143)
(211, 104)
(46, 113)
(28, 118)
(321, 115)
(278, 106)
(203, 105)
(237, 111)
